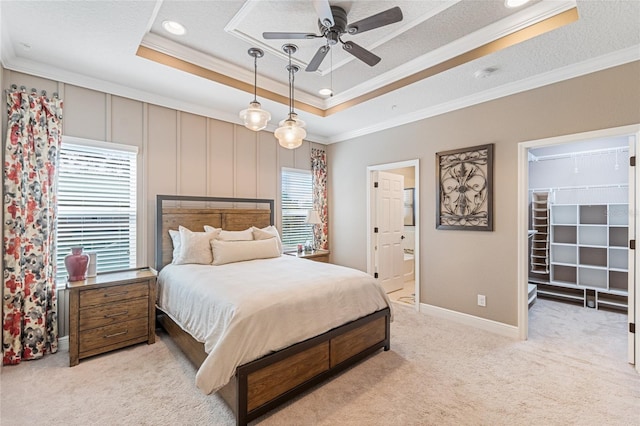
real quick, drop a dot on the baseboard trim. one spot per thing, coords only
(471, 320)
(63, 343)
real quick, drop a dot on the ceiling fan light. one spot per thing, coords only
(515, 3)
(254, 117)
(290, 134)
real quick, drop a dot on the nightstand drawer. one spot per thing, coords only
(113, 334)
(103, 295)
(111, 313)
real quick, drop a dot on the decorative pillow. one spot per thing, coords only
(238, 251)
(266, 233)
(246, 235)
(194, 247)
(175, 240)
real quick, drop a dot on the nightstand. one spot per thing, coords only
(111, 311)
(316, 255)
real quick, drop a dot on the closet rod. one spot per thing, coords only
(568, 188)
(579, 154)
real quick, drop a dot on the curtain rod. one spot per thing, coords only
(33, 90)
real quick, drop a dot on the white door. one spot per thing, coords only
(388, 226)
(631, 297)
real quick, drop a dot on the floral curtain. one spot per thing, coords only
(319, 174)
(34, 135)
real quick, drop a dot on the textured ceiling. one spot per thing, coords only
(95, 46)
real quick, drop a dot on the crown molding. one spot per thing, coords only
(600, 63)
(195, 57)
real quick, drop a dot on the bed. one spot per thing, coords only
(332, 342)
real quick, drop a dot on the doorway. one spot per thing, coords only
(582, 265)
(409, 290)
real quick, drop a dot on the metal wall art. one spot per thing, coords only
(465, 188)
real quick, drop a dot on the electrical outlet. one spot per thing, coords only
(482, 300)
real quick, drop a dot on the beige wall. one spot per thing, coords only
(457, 265)
(179, 153)
(408, 173)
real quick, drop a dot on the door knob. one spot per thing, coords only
(402, 237)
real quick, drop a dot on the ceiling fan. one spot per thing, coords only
(333, 24)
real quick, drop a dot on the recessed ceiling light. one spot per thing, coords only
(515, 3)
(325, 92)
(174, 27)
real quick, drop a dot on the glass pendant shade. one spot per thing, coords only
(290, 134)
(254, 117)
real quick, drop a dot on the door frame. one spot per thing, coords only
(522, 222)
(416, 252)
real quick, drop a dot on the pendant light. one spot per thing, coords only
(254, 117)
(291, 131)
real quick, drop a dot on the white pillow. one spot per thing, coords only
(238, 251)
(175, 240)
(208, 228)
(266, 233)
(194, 247)
(246, 235)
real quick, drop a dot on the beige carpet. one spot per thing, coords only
(573, 370)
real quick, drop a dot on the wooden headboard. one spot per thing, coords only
(194, 212)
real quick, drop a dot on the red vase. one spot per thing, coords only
(76, 263)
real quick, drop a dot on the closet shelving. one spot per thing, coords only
(589, 254)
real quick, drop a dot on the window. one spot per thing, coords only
(297, 199)
(97, 204)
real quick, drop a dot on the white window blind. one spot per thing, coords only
(297, 199)
(97, 205)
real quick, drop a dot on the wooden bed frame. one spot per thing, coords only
(263, 384)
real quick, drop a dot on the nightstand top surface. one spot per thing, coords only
(309, 254)
(112, 277)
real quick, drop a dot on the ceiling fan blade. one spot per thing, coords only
(361, 53)
(318, 58)
(268, 35)
(378, 20)
(323, 10)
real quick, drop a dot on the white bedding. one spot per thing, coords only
(243, 311)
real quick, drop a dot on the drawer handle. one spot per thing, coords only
(122, 293)
(107, 336)
(119, 314)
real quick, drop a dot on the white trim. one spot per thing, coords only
(99, 144)
(522, 213)
(416, 202)
(471, 320)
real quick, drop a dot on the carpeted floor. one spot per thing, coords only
(572, 370)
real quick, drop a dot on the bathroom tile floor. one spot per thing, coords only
(406, 295)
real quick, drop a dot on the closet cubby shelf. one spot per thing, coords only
(588, 253)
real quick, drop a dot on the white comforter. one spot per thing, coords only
(242, 311)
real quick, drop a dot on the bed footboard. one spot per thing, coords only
(261, 385)
(266, 383)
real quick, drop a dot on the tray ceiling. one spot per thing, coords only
(432, 61)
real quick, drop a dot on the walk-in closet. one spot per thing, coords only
(579, 223)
